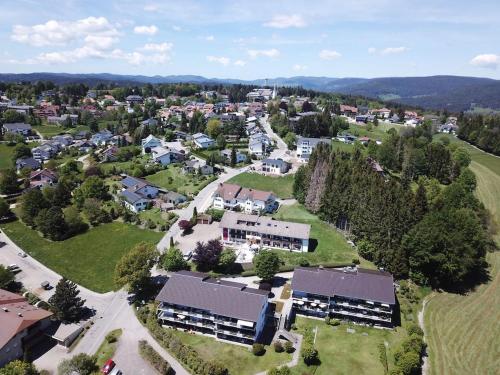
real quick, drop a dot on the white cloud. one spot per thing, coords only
(209, 38)
(240, 63)
(100, 42)
(60, 33)
(151, 7)
(328, 54)
(146, 30)
(487, 60)
(286, 21)
(176, 28)
(162, 47)
(298, 67)
(273, 52)
(221, 60)
(372, 50)
(393, 50)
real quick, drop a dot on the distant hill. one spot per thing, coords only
(454, 93)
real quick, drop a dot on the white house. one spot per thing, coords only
(234, 197)
(134, 202)
(140, 186)
(165, 156)
(202, 141)
(195, 166)
(240, 157)
(305, 147)
(275, 166)
(150, 142)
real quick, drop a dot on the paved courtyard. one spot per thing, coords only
(202, 233)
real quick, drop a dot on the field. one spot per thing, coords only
(172, 178)
(88, 259)
(331, 245)
(462, 331)
(281, 186)
(238, 359)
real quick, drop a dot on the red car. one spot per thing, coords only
(108, 366)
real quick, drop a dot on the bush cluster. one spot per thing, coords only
(408, 358)
(309, 353)
(148, 353)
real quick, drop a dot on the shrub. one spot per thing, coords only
(289, 347)
(304, 262)
(111, 337)
(414, 329)
(258, 349)
(334, 322)
(278, 347)
(356, 261)
(148, 353)
(309, 354)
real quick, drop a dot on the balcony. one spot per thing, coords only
(363, 307)
(175, 319)
(235, 334)
(362, 316)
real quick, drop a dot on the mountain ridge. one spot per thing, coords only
(454, 93)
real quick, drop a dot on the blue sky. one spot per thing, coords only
(252, 39)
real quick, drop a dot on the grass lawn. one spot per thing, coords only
(341, 352)
(238, 359)
(281, 186)
(331, 245)
(463, 330)
(88, 259)
(49, 130)
(107, 349)
(158, 217)
(6, 152)
(172, 178)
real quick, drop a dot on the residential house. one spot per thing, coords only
(240, 156)
(150, 142)
(234, 197)
(133, 99)
(42, 178)
(222, 309)
(150, 122)
(101, 138)
(348, 111)
(305, 147)
(46, 151)
(64, 140)
(61, 119)
(17, 128)
(197, 166)
(166, 156)
(354, 294)
(174, 198)
(137, 193)
(30, 163)
(381, 113)
(109, 154)
(264, 231)
(275, 166)
(21, 324)
(202, 141)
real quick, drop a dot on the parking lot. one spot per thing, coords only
(202, 233)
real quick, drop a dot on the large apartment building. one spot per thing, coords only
(225, 310)
(21, 324)
(264, 231)
(355, 294)
(235, 197)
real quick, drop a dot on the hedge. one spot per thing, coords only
(152, 356)
(187, 355)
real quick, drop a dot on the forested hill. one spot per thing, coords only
(453, 93)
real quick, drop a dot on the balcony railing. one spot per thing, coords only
(363, 316)
(365, 307)
(235, 334)
(186, 321)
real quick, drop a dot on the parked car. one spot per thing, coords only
(22, 254)
(116, 371)
(46, 285)
(108, 366)
(12, 267)
(188, 256)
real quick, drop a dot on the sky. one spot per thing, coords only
(252, 39)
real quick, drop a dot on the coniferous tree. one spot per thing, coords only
(65, 302)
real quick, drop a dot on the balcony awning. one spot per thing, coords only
(299, 302)
(314, 304)
(180, 316)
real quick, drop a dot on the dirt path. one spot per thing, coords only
(425, 357)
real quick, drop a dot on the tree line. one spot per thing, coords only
(435, 234)
(481, 131)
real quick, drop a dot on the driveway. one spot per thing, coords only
(201, 232)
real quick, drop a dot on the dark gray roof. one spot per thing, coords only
(226, 298)
(370, 285)
(130, 196)
(28, 162)
(313, 141)
(17, 125)
(278, 162)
